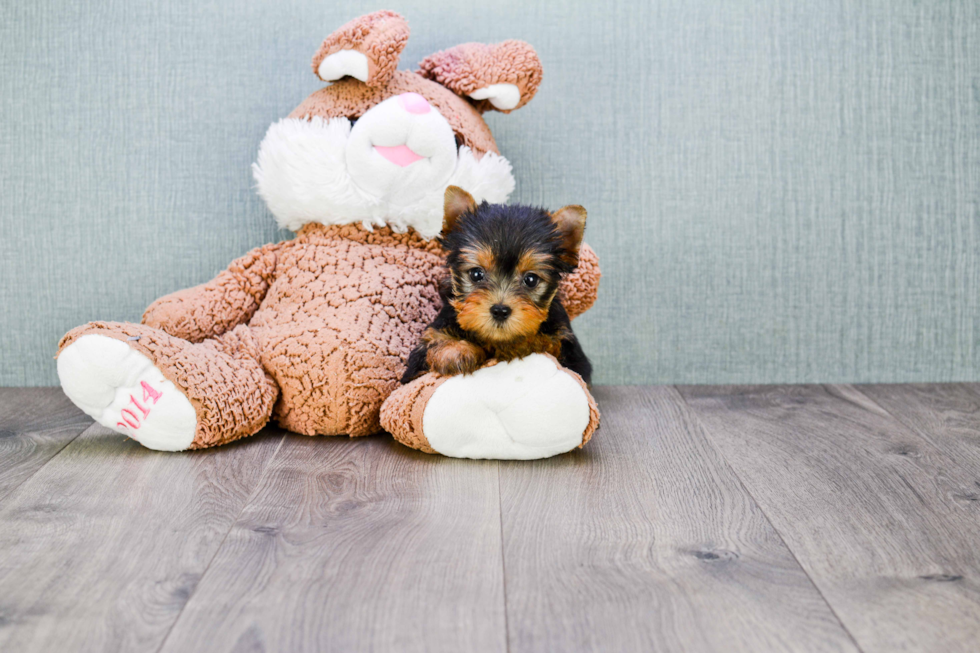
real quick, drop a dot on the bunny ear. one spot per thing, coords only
(502, 77)
(366, 48)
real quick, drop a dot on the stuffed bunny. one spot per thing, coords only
(314, 331)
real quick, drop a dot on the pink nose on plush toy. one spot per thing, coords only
(414, 103)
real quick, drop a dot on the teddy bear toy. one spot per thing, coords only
(314, 331)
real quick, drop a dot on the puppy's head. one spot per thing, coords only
(506, 263)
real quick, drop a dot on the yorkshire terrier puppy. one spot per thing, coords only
(499, 301)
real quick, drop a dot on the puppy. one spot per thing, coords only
(499, 301)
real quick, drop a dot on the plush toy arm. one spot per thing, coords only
(367, 48)
(579, 289)
(215, 307)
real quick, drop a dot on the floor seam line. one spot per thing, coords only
(952, 461)
(503, 561)
(245, 504)
(57, 453)
(741, 483)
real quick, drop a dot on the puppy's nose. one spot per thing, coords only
(500, 312)
(414, 103)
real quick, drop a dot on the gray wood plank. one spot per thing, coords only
(646, 541)
(356, 545)
(35, 424)
(101, 548)
(945, 414)
(866, 505)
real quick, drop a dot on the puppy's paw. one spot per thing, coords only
(455, 357)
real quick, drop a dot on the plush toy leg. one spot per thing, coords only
(525, 409)
(164, 392)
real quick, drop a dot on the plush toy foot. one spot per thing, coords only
(123, 390)
(165, 392)
(520, 410)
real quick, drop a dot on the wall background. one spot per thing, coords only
(779, 191)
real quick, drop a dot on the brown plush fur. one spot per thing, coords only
(380, 36)
(471, 66)
(579, 290)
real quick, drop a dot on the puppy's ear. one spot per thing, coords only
(570, 222)
(457, 202)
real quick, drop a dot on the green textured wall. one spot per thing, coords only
(779, 191)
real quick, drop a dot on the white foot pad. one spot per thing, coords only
(123, 390)
(521, 410)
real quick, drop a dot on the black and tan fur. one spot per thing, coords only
(500, 299)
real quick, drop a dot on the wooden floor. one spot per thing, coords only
(787, 518)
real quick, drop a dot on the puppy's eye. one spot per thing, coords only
(531, 279)
(477, 275)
